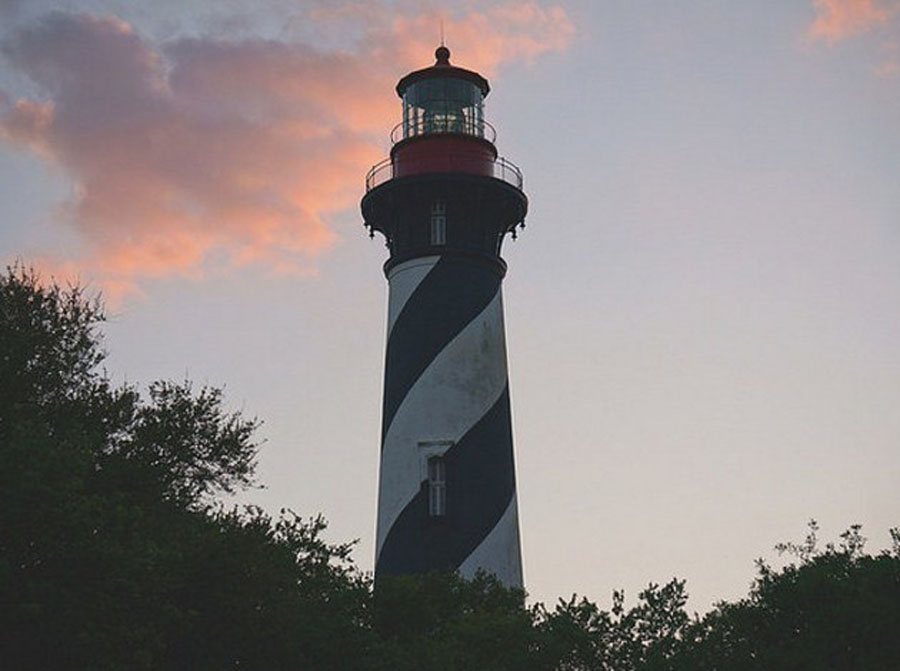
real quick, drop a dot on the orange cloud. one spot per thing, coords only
(838, 19)
(211, 153)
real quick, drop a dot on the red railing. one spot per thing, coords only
(386, 170)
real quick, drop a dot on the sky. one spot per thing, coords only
(703, 313)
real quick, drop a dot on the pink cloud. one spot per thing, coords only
(519, 31)
(207, 152)
(838, 19)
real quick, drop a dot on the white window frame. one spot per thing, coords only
(437, 490)
(437, 486)
(438, 223)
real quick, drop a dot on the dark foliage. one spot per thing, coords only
(111, 552)
(114, 555)
(440, 621)
(836, 608)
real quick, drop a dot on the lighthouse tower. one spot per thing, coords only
(444, 202)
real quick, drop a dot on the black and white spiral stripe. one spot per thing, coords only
(446, 384)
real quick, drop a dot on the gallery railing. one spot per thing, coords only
(498, 168)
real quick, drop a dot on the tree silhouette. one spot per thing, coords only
(832, 608)
(112, 551)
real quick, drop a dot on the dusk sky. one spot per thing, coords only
(703, 313)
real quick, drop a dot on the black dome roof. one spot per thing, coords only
(443, 69)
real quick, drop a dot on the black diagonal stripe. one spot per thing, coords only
(451, 295)
(480, 485)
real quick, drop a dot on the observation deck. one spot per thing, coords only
(474, 163)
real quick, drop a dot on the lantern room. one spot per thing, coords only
(443, 99)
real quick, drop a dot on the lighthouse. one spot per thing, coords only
(444, 202)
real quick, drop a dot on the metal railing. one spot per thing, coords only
(442, 125)
(500, 168)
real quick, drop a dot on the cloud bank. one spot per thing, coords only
(206, 152)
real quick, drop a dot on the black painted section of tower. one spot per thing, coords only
(480, 486)
(480, 210)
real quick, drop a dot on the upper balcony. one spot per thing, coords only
(468, 162)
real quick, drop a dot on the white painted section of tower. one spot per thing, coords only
(457, 389)
(499, 553)
(403, 280)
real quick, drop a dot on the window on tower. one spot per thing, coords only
(438, 223)
(433, 469)
(437, 487)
